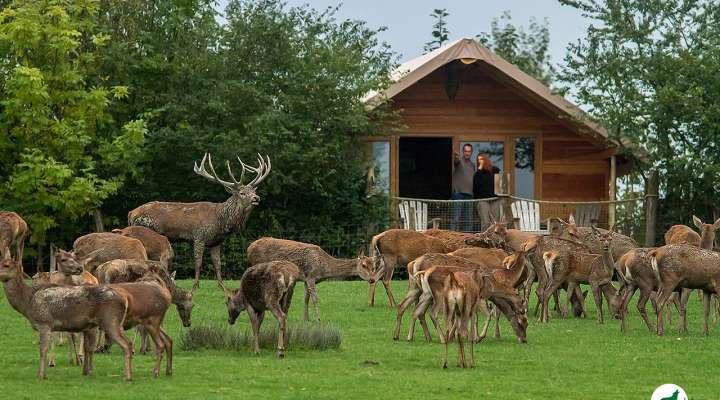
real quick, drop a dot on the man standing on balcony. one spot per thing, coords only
(462, 189)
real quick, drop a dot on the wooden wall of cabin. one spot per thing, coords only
(570, 167)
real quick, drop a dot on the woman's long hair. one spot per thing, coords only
(487, 164)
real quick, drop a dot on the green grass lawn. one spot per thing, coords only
(566, 359)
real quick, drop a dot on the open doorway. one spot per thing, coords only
(425, 167)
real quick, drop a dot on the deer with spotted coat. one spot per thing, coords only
(206, 224)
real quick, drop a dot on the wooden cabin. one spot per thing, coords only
(464, 93)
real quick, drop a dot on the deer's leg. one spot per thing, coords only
(420, 307)
(216, 259)
(663, 295)
(684, 297)
(482, 305)
(371, 303)
(281, 317)
(445, 337)
(315, 299)
(73, 357)
(549, 291)
(461, 344)
(256, 318)
(198, 250)
(641, 306)
(45, 342)
(496, 314)
(529, 284)
(89, 337)
(629, 292)
(307, 302)
(51, 361)
(706, 304)
(597, 296)
(20, 245)
(388, 290)
(153, 329)
(168, 351)
(433, 317)
(118, 336)
(412, 296)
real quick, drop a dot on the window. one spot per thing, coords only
(378, 154)
(525, 167)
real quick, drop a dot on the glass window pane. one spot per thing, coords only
(525, 167)
(378, 155)
(496, 151)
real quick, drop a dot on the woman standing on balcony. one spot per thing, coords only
(484, 188)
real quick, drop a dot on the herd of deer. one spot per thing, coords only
(118, 280)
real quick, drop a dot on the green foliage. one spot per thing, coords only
(647, 71)
(440, 31)
(62, 152)
(528, 50)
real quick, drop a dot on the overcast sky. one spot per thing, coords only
(409, 23)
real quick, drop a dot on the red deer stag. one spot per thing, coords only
(157, 246)
(13, 229)
(206, 224)
(68, 309)
(683, 234)
(266, 286)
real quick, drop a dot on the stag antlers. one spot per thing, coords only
(261, 172)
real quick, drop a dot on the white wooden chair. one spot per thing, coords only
(413, 215)
(528, 215)
(587, 214)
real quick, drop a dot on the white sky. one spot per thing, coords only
(409, 23)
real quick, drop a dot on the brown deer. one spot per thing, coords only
(433, 281)
(68, 309)
(590, 237)
(157, 246)
(576, 267)
(315, 264)
(399, 246)
(637, 273)
(688, 267)
(683, 234)
(96, 248)
(266, 286)
(70, 272)
(453, 240)
(206, 224)
(13, 229)
(509, 273)
(147, 303)
(123, 271)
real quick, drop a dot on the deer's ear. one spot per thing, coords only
(571, 220)
(697, 222)
(172, 276)
(716, 225)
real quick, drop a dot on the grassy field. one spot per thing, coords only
(567, 359)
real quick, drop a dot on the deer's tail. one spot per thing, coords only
(655, 257)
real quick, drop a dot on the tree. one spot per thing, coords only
(647, 71)
(528, 50)
(61, 152)
(440, 31)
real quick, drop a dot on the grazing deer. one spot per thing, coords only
(68, 309)
(157, 246)
(510, 272)
(13, 229)
(433, 281)
(124, 271)
(266, 286)
(576, 267)
(206, 224)
(96, 248)
(399, 246)
(688, 267)
(683, 234)
(315, 264)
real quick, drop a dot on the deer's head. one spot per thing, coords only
(183, 301)
(234, 302)
(707, 231)
(366, 267)
(243, 197)
(9, 270)
(68, 263)
(570, 228)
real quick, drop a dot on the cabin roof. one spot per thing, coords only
(469, 51)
